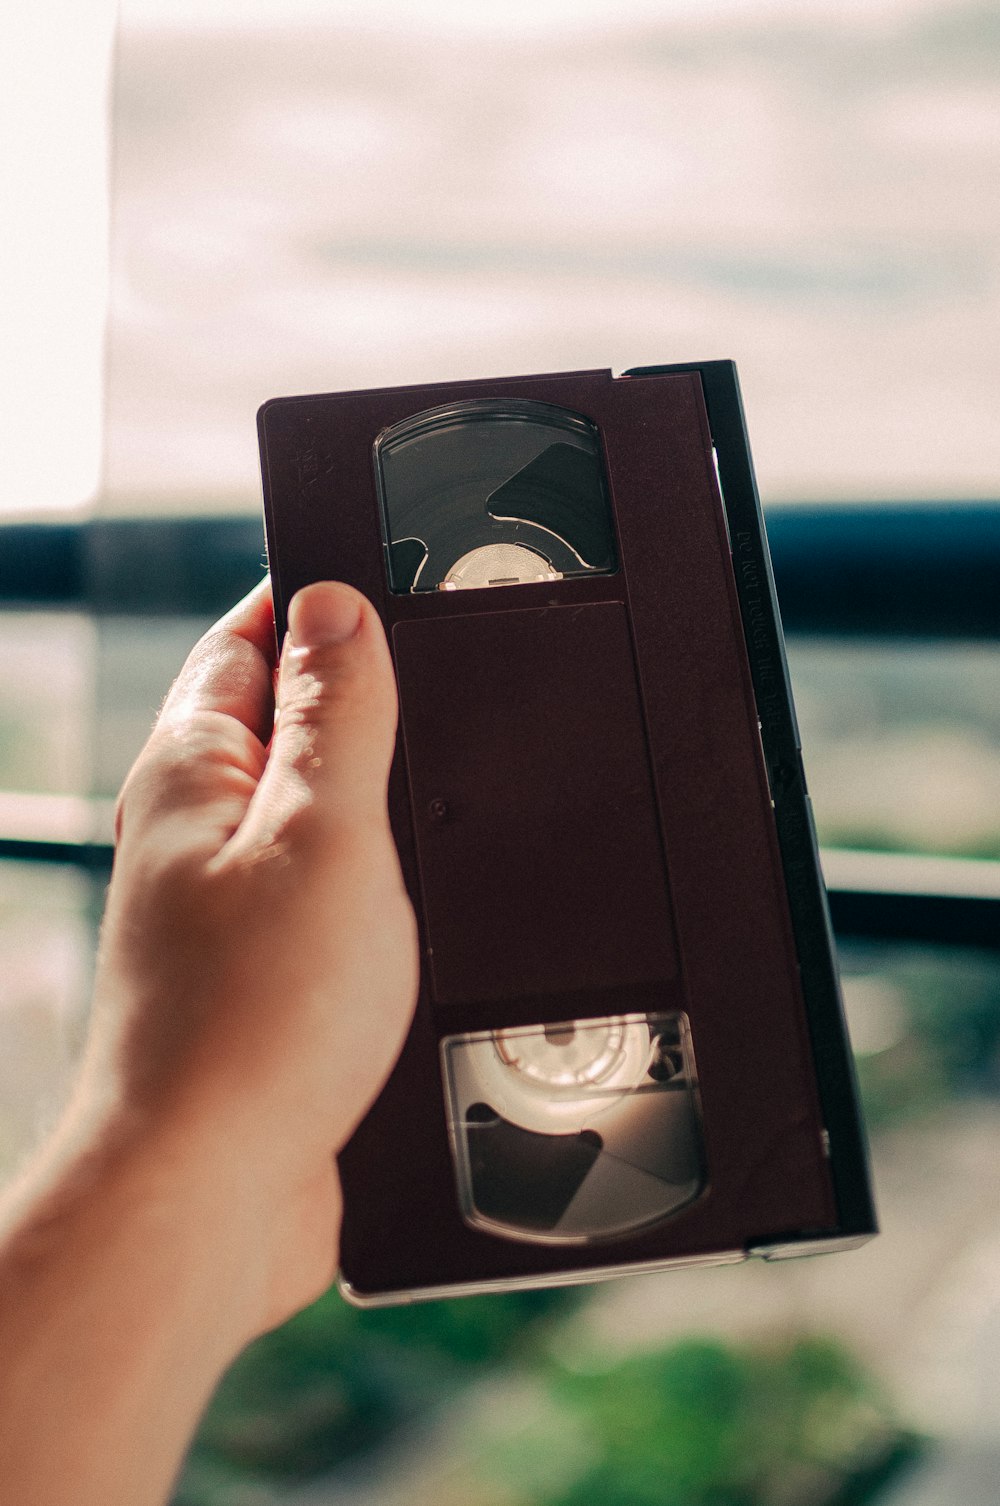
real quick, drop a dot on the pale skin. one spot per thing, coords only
(256, 977)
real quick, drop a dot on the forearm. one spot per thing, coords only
(125, 1290)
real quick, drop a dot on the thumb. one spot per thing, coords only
(336, 718)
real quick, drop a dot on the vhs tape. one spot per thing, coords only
(629, 1049)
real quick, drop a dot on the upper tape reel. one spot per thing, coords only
(492, 493)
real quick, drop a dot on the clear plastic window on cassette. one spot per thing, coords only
(488, 493)
(575, 1132)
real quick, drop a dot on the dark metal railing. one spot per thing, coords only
(926, 571)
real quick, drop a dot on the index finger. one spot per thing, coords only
(231, 668)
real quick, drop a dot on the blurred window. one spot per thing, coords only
(313, 195)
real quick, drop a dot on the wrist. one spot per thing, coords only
(122, 1188)
(129, 1280)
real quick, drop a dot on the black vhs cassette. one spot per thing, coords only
(629, 1049)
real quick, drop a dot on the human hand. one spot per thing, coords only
(258, 961)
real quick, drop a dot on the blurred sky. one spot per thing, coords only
(343, 193)
(513, 17)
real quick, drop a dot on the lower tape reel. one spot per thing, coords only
(576, 1132)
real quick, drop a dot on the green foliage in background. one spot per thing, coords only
(946, 1043)
(701, 1423)
(336, 1381)
(706, 1423)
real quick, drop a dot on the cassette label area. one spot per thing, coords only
(545, 874)
(575, 1132)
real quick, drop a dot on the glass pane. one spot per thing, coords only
(46, 702)
(46, 911)
(138, 659)
(901, 743)
(46, 946)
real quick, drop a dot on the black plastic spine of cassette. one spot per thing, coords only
(793, 815)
